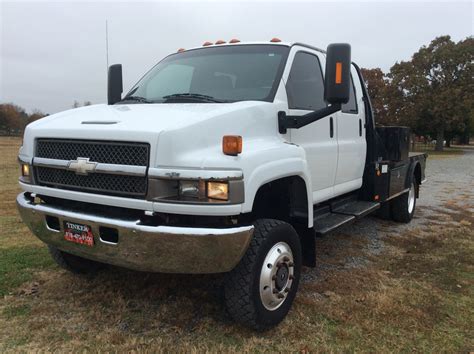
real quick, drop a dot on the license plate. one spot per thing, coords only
(78, 233)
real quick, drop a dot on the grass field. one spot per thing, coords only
(416, 294)
(430, 150)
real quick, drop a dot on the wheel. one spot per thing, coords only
(74, 264)
(403, 207)
(260, 290)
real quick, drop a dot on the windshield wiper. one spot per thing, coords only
(192, 97)
(136, 99)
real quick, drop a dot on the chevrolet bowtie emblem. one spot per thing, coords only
(82, 166)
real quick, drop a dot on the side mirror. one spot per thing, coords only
(114, 84)
(338, 73)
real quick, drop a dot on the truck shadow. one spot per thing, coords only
(137, 302)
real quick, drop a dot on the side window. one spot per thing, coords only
(351, 105)
(305, 86)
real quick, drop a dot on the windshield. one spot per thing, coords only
(217, 74)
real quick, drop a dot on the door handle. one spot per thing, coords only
(331, 127)
(360, 127)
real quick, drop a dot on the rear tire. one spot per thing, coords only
(403, 207)
(74, 264)
(260, 290)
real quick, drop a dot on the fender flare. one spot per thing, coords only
(265, 173)
(411, 174)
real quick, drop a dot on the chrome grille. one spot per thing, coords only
(98, 151)
(104, 152)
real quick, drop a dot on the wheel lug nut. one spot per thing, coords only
(287, 290)
(291, 277)
(274, 277)
(286, 259)
(280, 296)
(275, 291)
(290, 264)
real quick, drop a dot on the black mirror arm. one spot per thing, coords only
(295, 122)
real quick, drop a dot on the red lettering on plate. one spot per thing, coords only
(84, 238)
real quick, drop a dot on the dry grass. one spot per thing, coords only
(415, 296)
(452, 151)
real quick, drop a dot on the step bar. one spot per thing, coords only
(341, 212)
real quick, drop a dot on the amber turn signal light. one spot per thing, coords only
(338, 72)
(232, 145)
(25, 170)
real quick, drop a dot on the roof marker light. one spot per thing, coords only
(205, 44)
(220, 41)
(181, 50)
(234, 40)
(275, 40)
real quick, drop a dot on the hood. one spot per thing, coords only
(143, 118)
(130, 122)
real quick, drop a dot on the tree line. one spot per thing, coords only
(432, 93)
(14, 119)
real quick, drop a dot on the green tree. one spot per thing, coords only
(13, 118)
(378, 87)
(433, 91)
(35, 115)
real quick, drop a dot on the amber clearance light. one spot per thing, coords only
(25, 170)
(232, 145)
(338, 73)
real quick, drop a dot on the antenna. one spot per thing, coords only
(107, 46)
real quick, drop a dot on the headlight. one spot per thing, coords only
(196, 191)
(218, 190)
(191, 189)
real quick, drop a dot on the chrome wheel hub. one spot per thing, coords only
(411, 199)
(276, 276)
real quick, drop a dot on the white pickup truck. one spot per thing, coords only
(227, 158)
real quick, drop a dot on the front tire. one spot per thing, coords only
(74, 264)
(260, 290)
(403, 207)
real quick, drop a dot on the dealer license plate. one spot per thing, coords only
(78, 233)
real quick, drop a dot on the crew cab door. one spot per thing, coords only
(352, 146)
(305, 92)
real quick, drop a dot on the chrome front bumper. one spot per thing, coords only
(147, 248)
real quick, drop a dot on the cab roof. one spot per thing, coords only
(272, 42)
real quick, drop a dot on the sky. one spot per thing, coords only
(53, 53)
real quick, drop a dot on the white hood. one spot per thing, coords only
(142, 118)
(146, 122)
